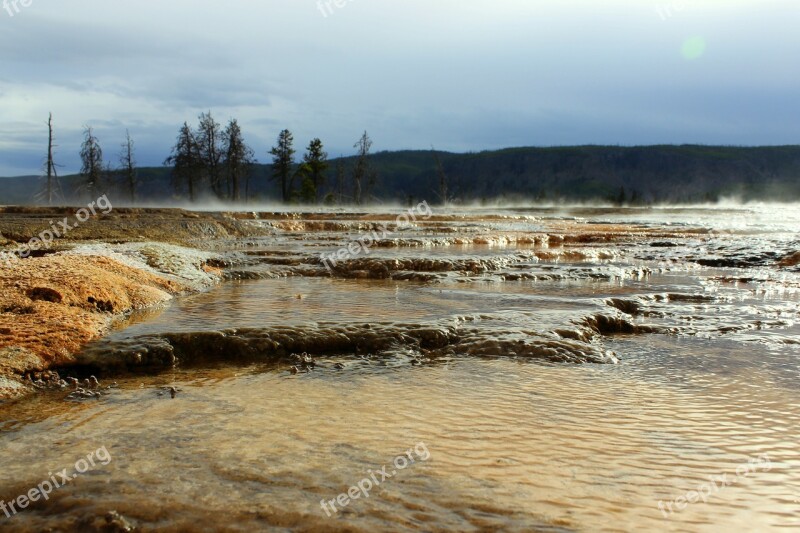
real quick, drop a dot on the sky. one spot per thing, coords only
(459, 75)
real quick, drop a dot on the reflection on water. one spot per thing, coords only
(513, 445)
(517, 443)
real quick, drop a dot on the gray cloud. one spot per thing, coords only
(459, 74)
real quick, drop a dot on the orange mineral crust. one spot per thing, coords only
(52, 306)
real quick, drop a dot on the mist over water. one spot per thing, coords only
(579, 368)
(357, 266)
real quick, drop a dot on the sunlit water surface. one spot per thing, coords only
(516, 443)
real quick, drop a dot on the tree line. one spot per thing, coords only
(96, 176)
(211, 162)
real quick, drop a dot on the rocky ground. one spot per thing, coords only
(58, 299)
(71, 292)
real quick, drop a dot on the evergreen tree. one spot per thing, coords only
(186, 162)
(282, 163)
(209, 145)
(315, 164)
(239, 158)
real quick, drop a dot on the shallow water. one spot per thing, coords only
(483, 356)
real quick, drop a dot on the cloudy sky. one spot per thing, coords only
(457, 74)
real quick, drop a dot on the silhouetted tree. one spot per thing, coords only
(282, 163)
(209, 145)
(50, 165)
(312, 171)
(185, 161)
(128, 166)
(362, 169)
(92, 163)
(239, 158)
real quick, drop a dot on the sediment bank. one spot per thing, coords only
(57, 301)
(54, 303)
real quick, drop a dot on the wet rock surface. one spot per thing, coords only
(373, 340)
(55, 304)
(50, 307)
(562, 362)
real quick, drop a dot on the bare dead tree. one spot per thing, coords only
(128, 166)
(51, 186)
(92, 163)
(362, 169)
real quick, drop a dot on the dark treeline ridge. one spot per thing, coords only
(205, 163)
(212, 163)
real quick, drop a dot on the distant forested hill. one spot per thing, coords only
(681, 174)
